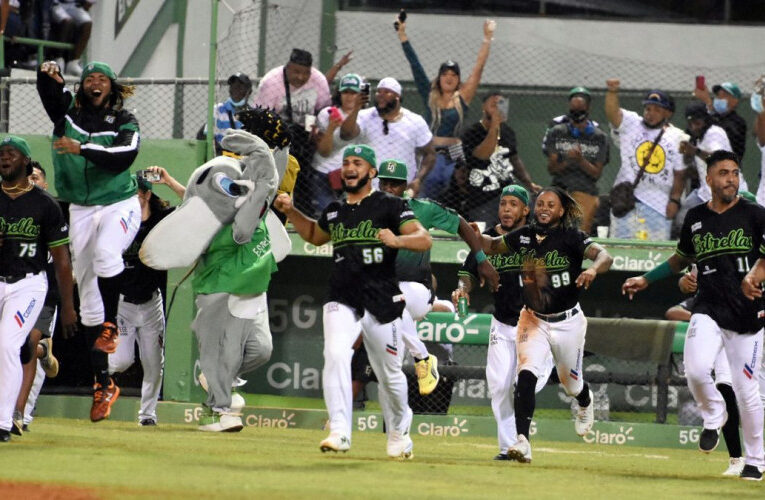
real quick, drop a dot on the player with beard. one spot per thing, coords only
(551, 250)
(95, 142)
(31, 224)
(723, 236)
(365, 229)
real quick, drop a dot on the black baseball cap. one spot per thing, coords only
(695, 110)
(240, 77)
(301, 57)
(658, 98)
(449, 66)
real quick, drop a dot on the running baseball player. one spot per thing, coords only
(31, 224)
(501, 356)
(413, 268)
(724, 237)
(551, 250)
(96, 141)
(365, 229)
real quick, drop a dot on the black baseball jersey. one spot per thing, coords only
(507, 300)
(29, 226)
(140, 281)
(364, 270)
(725, 246)
(550, 265)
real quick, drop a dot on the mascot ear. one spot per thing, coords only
(258, 167)
(281, 159)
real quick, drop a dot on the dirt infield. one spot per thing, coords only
(36, 491)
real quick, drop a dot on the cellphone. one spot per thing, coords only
(148, 175)
(701, 82)
(503, 106)
(335, 114)
(365, 88)
(401, 19)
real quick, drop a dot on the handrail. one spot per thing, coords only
(41, 45)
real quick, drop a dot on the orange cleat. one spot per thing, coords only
(103, 399)
(108, 340)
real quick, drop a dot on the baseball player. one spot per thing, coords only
(96, 141)
(501, 357)
(31, 224)
(724, 238)
(365, 229)
(413, 268)
(551, 250)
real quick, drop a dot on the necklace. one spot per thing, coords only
(15, 189)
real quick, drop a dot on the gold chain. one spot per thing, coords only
(15, 189)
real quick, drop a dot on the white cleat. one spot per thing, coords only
(585, 417)
(520, 451)
(221, 422)
(400, 446)
(335, 442)
(735, 466)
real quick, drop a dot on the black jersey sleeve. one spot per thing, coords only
(55, 97)
(56, 230)
(120, 155)
(330, 211)
(685, 244)
(401, 213)
(469, 267)
(581, 240)
(760, 221)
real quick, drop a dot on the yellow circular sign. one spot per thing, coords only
(655, 163)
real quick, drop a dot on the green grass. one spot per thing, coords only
(123, 460)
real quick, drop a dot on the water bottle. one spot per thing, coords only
(462, 307)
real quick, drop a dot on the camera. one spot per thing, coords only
(365, 88)
(401, 19)
(148, 175)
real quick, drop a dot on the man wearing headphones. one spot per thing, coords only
(576, 152)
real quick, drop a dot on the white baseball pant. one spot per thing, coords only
(703, 342)
(537, 339)
(501, 377)
(384, 347)
(99, 235)
(37, 383)
(144, 323)
(20, 304)
(417, 298)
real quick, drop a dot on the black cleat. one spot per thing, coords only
(751, 473)
(5, 436)
(709, 440)
(148, 422)
(502, 456)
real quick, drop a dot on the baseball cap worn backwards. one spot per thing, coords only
(98, 67)
(728, 87)
(517, 191)
(301, 57)
(351, 81)
(658, 98)
(392, 169)
(240, 77)
(362, 151)
(18, 144)
(391, 84)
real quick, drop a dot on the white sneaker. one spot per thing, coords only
(520, 451)
(735, 466)
(73, 68)
(585, 417)
(221, 422)
(400, 446)
(335, 442)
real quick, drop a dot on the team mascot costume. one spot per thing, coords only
(225, 225)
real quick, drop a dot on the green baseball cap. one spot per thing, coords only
(351, 81)
(517, 191)
(748, 196)
(362, 151)
(17, 143)
(579, 91)
(728, 87)
(98, 67)
(392, 169)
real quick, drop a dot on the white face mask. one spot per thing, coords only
(238, 104)
(756, 103)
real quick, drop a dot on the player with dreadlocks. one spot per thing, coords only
(550, 251)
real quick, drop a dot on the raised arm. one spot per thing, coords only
(168, 180)
(469, 88)
(601, 262)
(420, 78)
(613, 109)
(350, 127)
(427, 163)
(55, 98)
(331, 73)
(306, 227)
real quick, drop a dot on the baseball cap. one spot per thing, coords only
(696, 109)
(391, 84)
(351, 81)
(658, 98)
(17, 143)
(579, 92)
(301, 57)
(392, 169)
(98, 67)
(728, 87)
(240, 77)
(517, 191)
(449, 66)
(362, 151)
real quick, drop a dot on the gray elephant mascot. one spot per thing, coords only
(225, 225)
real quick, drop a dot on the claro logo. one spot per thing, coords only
(600, 437)
(457, 428)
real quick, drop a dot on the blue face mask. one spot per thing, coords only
(238, 104)
(756, 102)
(720, 105)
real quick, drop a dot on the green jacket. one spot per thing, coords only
(109, 140)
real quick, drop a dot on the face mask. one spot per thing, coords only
(756, 102)
(577, 116)
(238, 104)
(720, 105)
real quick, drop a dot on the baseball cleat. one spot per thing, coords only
(148, 422)
(215, 421)
(400, 446)
(5, 436)
(585, 417)
(709, 440)
(48, 362)
(735, 466)
(427, 374)
(17, 424)
(335, 442)
(501, 456)
(103, 399)
(751, 473)
(520, 451)
(108, 340)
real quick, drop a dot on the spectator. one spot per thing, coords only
(759, 129)
(723, 110)
(393, 131)
(12, 25)
(583, 92)
(446, 100)
(239, 90)
(576, 152)
(492, 159)
(650, 162)
(73, 24)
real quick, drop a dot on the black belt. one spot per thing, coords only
(137, 300)
(554, 318)
(15, 278)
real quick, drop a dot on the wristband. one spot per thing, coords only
(674, 200)
(659, 272)
(480, 256)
